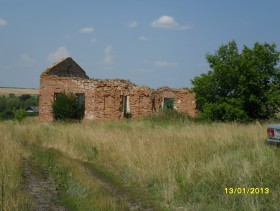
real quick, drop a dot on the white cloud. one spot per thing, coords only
(108, 49)
(132, 24)
(143, 38)
(3, 22)
(60, 53)
(86, 30)
(26, 59)
(168, 22)
(108, 59)
(165, 64)
(93, 40)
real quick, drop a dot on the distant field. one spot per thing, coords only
(18, 91)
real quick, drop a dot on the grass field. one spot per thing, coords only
(18, 91)
(166, 165)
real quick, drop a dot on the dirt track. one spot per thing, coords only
(44, 195)
(42, 190)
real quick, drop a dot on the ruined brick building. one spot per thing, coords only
(109, 98)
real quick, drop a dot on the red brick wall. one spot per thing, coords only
(141, 101)
(49, 85)
(108, 98)
(184, 99)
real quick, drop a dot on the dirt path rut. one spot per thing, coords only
(42, 190)
(44, 195)
(122, 196)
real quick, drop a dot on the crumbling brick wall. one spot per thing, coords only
(141, 101)
(184, 99)
(105, 99)
(109, 98)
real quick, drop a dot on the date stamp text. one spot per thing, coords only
(252, 191)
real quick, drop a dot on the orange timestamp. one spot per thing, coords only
(253, 191)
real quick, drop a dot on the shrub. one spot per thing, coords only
(223, 112)
(66, 107)
(19, 114)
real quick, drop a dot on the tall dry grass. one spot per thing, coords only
(178, 166)
(12, 194)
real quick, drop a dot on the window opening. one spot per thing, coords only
(126, 105)
(168, 104)
(68, 106)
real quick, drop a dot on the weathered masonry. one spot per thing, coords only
(109, 98)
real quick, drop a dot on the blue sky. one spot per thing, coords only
(151, 42)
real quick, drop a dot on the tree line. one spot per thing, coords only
(11, 104)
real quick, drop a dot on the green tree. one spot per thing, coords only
(12, 103)
(33, 101)
(24, 97)
(66, 107)
(240, 86)
(3, 100)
